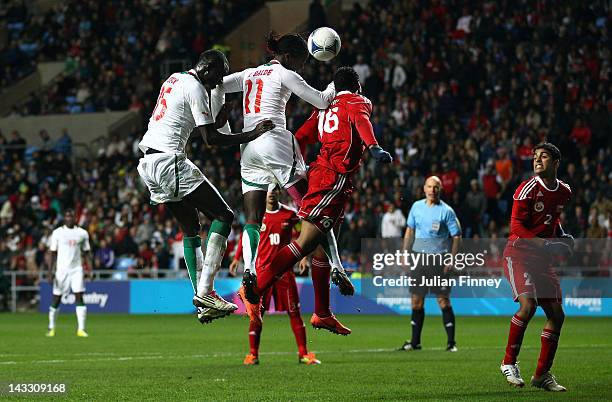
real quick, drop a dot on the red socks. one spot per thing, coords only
(297, 326)
(254, 337)
(550, 340)
(284, 260)
(515, 339)
(320, 283)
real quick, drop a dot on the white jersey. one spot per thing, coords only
(183, 104)
(69, 243)
(266, 90)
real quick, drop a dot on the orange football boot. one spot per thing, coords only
(329, 323)
(250, 360)
(309, 359)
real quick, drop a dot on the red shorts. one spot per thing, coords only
(530, 276)
(328, 192)
(285, 293)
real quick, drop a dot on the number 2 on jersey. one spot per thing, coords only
(257, 102)
(161, 103)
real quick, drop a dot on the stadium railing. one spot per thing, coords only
(14, 284)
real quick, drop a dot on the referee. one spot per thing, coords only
(430, 223)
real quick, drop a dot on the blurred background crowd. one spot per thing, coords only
(463, 90)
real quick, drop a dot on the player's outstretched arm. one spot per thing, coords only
(361, 119)
(296, 84)
(211, 136)
(233, 82)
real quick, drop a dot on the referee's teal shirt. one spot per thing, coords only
(432, 225)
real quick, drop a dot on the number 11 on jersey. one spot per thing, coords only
(257, 102)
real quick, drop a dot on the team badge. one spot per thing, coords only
(539, 206)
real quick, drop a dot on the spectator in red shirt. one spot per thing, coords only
(581, 134)
(525, 154)
(450, 178)
(491, 186)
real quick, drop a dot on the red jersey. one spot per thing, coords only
(536, 209)
(276, 232)
(344, 130)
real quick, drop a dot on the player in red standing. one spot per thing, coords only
(344, 130)
(536, 239)
(276, 232)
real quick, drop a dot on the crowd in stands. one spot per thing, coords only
(461, 90)
(113, 50)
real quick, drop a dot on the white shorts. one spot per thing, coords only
(169, 177)
(274, 158)
(67, 281)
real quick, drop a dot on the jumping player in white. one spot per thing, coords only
(67, 245)
(275, 158)
(188, 102)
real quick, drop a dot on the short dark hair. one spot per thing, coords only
(211, 57)
(551, 148)
(293, 44)
(346, 79)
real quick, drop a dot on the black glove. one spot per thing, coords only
(558, 248)
(380, 154)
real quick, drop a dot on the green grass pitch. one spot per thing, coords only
(175, 358)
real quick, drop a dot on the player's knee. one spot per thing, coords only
(559, 318)
(227, 216)
(444, 302)
(294, 313)
(417, 303)
(527, 309)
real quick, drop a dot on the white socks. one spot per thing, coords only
(215, 250)
(53, 312)
(248, 255)
(336, 262)
(81, 313)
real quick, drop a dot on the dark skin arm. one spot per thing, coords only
(212, 136)
(86, 255)
(52, 256)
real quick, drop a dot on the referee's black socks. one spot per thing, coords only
(448, 317)
(418, 316)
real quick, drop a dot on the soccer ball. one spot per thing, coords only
(324, 44)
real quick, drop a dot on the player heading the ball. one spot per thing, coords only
(187, 102)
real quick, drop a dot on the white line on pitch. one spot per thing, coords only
(231, 354)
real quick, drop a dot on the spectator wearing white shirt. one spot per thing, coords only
(362, 69)
(392, 223)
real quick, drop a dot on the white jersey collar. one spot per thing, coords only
(544, 185)
(343, 93)
(192, 71)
